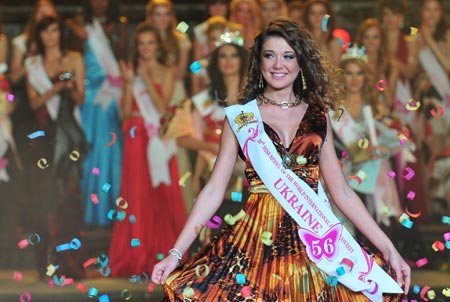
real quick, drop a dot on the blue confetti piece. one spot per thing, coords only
(325, 22)
(341, 41)
(240, 278)
(135, 242)
(104, 298)
(132, 218)
(106, 186)
(236, 196)
(36, 134)
(132, 131)
(195, 67)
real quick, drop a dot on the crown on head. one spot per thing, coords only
(355, 53)
(230, 37)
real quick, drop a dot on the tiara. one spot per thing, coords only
(355, 53)
(230, 37)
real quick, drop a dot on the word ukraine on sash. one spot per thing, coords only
(159, 152)
(327, 242)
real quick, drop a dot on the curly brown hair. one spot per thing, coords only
(319, 75)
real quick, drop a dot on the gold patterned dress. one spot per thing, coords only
(279, 270)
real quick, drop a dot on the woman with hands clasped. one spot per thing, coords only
(281, 249)
(149, 169)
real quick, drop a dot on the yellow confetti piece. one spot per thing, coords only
(402, 217)
(188, 292)
(266, 238)
(431, 294)
(413, 30)
(363, 143)
(74, 155)
(51, 270)
(446, 292)
(361, 174)
(43, 163)
(126, 295)
(301, 160)
(182, 181)
(121, 203)
(182, 27)
(411, 107)
(231, 220)
(199, 267)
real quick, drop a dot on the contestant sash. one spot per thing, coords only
(38, 78)
(438, 78)
(350, 132)
(402, 97)
(5, 141)
(159, 152)
(327, 241)
(111, 89)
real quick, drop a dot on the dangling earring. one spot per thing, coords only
(303, 80)
(261, 82)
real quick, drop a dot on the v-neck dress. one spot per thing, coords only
(274, 271)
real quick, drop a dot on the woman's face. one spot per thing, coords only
(45, 9)
(50, 36)
(269, 11)
(279, 65)
(353, 77)
(391, 20)
(316, 14)
(147, 45)
(431, 13)
(297, 15)
(244, 13)
(218, 9)
(228, 60)
(161, 17)
(371, 39)
(99, 7)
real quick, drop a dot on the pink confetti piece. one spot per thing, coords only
(391, 174)
(214, 223)
(151, 287)
(422, 262)
(83, 288)
(94, 198)
(23, 243)
(447, 236)
(410, 174)
(10, 97)
(95, 171)
(17, 276)
(344, 154)
(411, 195)
(25, 297)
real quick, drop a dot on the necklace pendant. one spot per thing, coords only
(287, 160)
(284, 105)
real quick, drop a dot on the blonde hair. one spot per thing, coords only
(170, 35)
(255, 9)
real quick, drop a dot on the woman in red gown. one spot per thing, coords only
(152, 201)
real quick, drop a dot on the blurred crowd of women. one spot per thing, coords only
(106, 124)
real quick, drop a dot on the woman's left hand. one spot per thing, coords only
(401, 268)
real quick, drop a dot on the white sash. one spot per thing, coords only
(6, 140)
(206, 106)
(159, 152)
(402, 96)
(38, 78)
(327, 241)
(438, 77)
(111, 89)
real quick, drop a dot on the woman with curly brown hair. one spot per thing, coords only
(286, 244)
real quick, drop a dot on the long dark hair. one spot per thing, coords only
(112, 12)
(319, 75)
(331, 24)
(217, 84)
(44, 24)
(30, 28)
(442, 26)
(144, 27)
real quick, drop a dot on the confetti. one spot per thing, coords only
(74, 155)
(160, 256)
(116, 215)
(416, 289)
(363, 143)
(23, 244)
(240, 279)
(437, 114)
(446, 292)
(182, 181)
(132, 131)
(51, 269)
(325, 22)
(113, 140)
(361, 174)
(17, 276)
(332, 280)
(446, 236)
(92, 292)
(344, 155)
(358, 179)
(182, 27)
(413, 215)
(135, 242)
(445, 220)
(132, 218)
(89, 262)
(410, 173)
(82, 288)
(151, 287)
(381, 85)
(431, 294)
(103, 298)
(266, 238)
(411, 107)
(348, 263)
(188, 292)
(74, 244)
(36, 134)
(246, 291)
(214, 223)
(121, 203)
(195, 67)
(199, 267)
(438, 246)
(413, 30)
(25, 297)
(423, 292)
(236, 196)
(94, 199)
(106, 186)
(340, 271)
(126, 295)
(301, 160)
(43, 163)
(391, 174)
(421, 262)
(10, 97)
(95, 171)
(411, 195)
(407, 223)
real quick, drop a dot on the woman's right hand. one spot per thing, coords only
(163, 269)
(127, 71)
